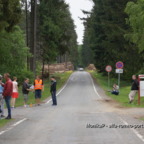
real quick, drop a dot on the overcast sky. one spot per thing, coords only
(75, 8)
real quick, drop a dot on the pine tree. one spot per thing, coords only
(106, 37)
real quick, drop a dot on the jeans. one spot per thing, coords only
(2, 106)
(115, 92)
(38, 94)
(53, 93)
(7, 100)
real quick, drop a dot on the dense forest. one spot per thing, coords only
(114, 32)
(34, 33)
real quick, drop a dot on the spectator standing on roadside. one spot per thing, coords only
(25, 91)
(53, 90)
(1, 97)
(38, 86)
(7, 93)
(134, 88)
(15, 92)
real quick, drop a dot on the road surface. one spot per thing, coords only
(81, 117)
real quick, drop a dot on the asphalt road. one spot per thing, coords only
(79, 106)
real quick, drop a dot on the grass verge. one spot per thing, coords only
(125, 87)
(142, 118)
(61, 79)
(3, 122)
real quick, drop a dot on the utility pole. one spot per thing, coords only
(33, 36)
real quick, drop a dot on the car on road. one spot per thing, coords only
(81, 69)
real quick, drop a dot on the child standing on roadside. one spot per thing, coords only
(15, 92)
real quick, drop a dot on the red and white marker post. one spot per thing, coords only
(108, 69)
(141, 87)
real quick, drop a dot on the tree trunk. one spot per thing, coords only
(33, 36)
(27, 31)
(48, 70)
(43, 63)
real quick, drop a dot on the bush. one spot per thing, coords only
(24, 74)
(141, 71)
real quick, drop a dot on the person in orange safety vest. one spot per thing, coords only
(38, 86)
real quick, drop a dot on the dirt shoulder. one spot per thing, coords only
(114, 106)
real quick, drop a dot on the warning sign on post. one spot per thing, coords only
(119, 65)
(119, 71)
(141, 88)
(108, 68)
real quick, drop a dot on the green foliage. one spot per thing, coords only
(3, 122)
(21, 75)
(135, 11)
(56, 35)
(87, 54)
(13, 51)
(56, 30)
(10, 14)
(104, 38)
(80, 62)
(62, 78)
(125, 88)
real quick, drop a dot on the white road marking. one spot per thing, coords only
(57, 93)
(61, 89)
(12, 126)
(19, 122)
(135, 131)
(94, 87)
(48, 101)
(70, 78)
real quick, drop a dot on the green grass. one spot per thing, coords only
(3, 122)
(61, 79)
(125, 87)
(142, 118)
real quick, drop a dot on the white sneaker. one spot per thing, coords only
(25, 106)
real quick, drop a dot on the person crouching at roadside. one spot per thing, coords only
(115, 90)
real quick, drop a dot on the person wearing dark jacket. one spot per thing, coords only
(25, 91)
(53, 90)
(7, 93)
(134, 88)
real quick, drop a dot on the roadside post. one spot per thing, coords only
(119, 70)
(108, 69)
(141, 88)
